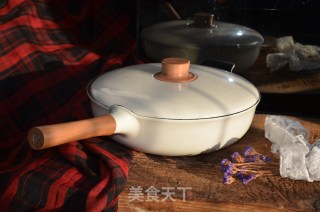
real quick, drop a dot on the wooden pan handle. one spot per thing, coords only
(52, 135)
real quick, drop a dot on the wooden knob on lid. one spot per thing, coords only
(175, 70)
(203, 20)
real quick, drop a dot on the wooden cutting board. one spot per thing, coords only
(204, 179)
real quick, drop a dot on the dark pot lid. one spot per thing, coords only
(201, 32)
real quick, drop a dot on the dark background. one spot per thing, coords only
(271, 18)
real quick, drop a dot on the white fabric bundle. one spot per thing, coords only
(298, 56)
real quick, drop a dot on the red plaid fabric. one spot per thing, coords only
(49, 51)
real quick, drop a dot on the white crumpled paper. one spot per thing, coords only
(297, 56)
(299, 160)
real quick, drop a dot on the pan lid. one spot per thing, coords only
(174, 90)
(202, 31)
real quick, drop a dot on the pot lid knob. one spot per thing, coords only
(175, 70)
(203, 20)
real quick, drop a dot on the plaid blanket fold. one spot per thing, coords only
(49, 51)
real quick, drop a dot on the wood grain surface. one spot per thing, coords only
(204, 178)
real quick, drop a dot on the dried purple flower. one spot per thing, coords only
(245, 179)
(224, 161)
(239, 174)
(265, 159)
(235, 154)
(228, 179)
(252, 158)
(237, 158)
(249, 150)
(224, 164)
(228, 168)
(245, 169)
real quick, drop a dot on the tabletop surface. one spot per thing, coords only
(196, 182)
